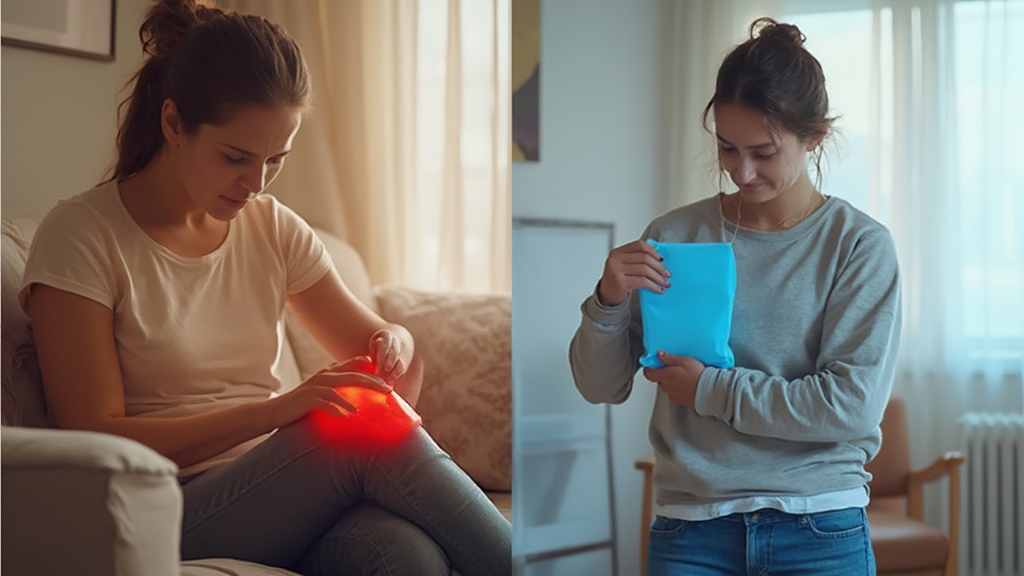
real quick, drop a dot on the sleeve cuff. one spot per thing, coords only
(712, 394)
(608, 316)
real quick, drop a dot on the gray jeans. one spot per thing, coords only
(297, 502)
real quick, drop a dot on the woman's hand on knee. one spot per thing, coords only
(322, 391)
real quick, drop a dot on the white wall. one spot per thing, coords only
(603, 157)
(58, 117)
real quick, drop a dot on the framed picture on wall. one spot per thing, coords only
(526, 80)
(82, 28)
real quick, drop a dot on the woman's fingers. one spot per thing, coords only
(639, 246)
(394, 371)
(357, 379)
(386, 349)
(635, 259)
(388, 357)
(647, 282)
(644, 271)
(631, 266)
(334, 403)
(355, 364)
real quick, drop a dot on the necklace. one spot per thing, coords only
(812, 205)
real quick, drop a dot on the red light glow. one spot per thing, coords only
(381, 419)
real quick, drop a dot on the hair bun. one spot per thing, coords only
(167, 22)
(769, 28)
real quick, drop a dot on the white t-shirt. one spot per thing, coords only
(193, 334)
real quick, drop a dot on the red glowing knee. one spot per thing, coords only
(381, 419)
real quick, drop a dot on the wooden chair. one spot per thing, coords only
(904, 544)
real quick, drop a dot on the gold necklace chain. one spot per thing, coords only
(808, 210)
(811, 207)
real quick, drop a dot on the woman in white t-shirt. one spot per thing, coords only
(156, 301)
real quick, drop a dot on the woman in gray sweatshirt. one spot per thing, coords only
(760, 467)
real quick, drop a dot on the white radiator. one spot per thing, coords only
(992, 534)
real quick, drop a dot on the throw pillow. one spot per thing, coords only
(22, 389)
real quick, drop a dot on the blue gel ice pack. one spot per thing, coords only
(694, 315)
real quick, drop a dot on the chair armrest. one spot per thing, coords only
(946, 465)
(87, 503)
(941, 467)
(645, 465)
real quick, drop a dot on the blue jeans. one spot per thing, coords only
(297, 502)
(766, 542)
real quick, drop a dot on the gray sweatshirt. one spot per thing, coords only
(815, 332)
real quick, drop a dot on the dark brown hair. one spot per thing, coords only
(210, 62)
(774, 74)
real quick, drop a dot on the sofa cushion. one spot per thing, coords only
(466, 402)
(22, 392)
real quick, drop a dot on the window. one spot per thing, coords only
(931, 112)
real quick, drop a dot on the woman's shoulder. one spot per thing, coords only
(85, 214)
(267, 210)
(699, 210)
(275, 224)
(73, 248)
(854, 231)
(704, 214)
(853, 220)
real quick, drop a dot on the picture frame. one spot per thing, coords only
(526, 80)
(83, 28)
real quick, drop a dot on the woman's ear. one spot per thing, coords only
(170, 122)
(817, 139)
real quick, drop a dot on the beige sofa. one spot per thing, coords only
(93, 504)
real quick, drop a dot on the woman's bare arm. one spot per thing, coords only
(344, 326)
(81, 375)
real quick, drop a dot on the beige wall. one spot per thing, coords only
(58, 118)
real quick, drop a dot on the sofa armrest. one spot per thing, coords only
(87, 503)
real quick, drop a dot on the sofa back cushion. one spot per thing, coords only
(21, 395)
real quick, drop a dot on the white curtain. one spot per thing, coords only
(406, 154)
(929, 93)
(703, 32)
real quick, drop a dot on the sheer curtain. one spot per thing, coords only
(406, 154)
(929, 93)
